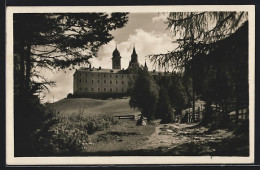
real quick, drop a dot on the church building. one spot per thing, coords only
(90, 81)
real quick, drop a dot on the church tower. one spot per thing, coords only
(116, 59)
(145, 66)
(133, 64)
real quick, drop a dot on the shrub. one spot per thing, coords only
(70, 135)
(69, 95)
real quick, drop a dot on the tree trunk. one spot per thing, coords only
(22, 69)
(192, 70)
(193, 103)
(28, 67)
(237, 110)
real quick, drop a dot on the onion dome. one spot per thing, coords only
(116, 53)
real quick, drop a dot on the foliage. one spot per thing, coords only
(173, 95)
(179, 93)
(144, 94)
(197, 28)
(70, 136)
(163, 106)
(69, 95)
(29, 117)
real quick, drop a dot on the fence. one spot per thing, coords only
(229, 109)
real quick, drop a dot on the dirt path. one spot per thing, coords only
(173, 135)
(166, 139)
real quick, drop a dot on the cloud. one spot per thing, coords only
(146, 43)
(161, 17)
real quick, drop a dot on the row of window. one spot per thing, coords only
(105, 75)
(104, 81)
(105, 89)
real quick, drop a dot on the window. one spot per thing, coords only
(122, 90)
(110, 81)
(116, 89)
(86, 74)
(92, 89)
(98, 81)
(116, 76)
(110, 75)
(116, 82)
(98, 75)
(110, 89)
(104, 89)
(104, 75)
(92, 81)
(80, 74)
(105, 81)
(122, 75)
(92, 74)
(80, 80)
(86, 89)
(122, 82)
(86, 81)
(98, 89)
(79, 88)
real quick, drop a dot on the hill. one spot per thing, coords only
(93, 106)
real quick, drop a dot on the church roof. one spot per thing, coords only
(134, 52)
(98, 70)
(116, 53)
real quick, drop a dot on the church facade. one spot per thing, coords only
(90, 81)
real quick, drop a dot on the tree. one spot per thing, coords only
(58, 41)
(197, 32)
(172, 97)
(178, 94)
(164, 109)
(144, 94)
(51, 41)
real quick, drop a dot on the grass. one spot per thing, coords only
(124, 137)
(96, 106)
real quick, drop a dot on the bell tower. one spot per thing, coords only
(116, 59)
(133, 64)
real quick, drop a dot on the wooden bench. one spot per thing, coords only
(125, 116)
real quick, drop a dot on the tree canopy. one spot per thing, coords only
(196, 32)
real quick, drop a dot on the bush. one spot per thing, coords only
(69, 95)
(70, 136)
(30, 118)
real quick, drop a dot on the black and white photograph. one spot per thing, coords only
(130, 85)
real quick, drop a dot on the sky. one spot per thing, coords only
(146, 31)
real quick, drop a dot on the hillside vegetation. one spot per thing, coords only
(93, 106)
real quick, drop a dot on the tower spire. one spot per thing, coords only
(134, 52)
(145, 66)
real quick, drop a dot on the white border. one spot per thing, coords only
(11, 160)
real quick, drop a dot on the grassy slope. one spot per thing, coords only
(75, 105)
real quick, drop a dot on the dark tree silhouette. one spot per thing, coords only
(144, 94)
